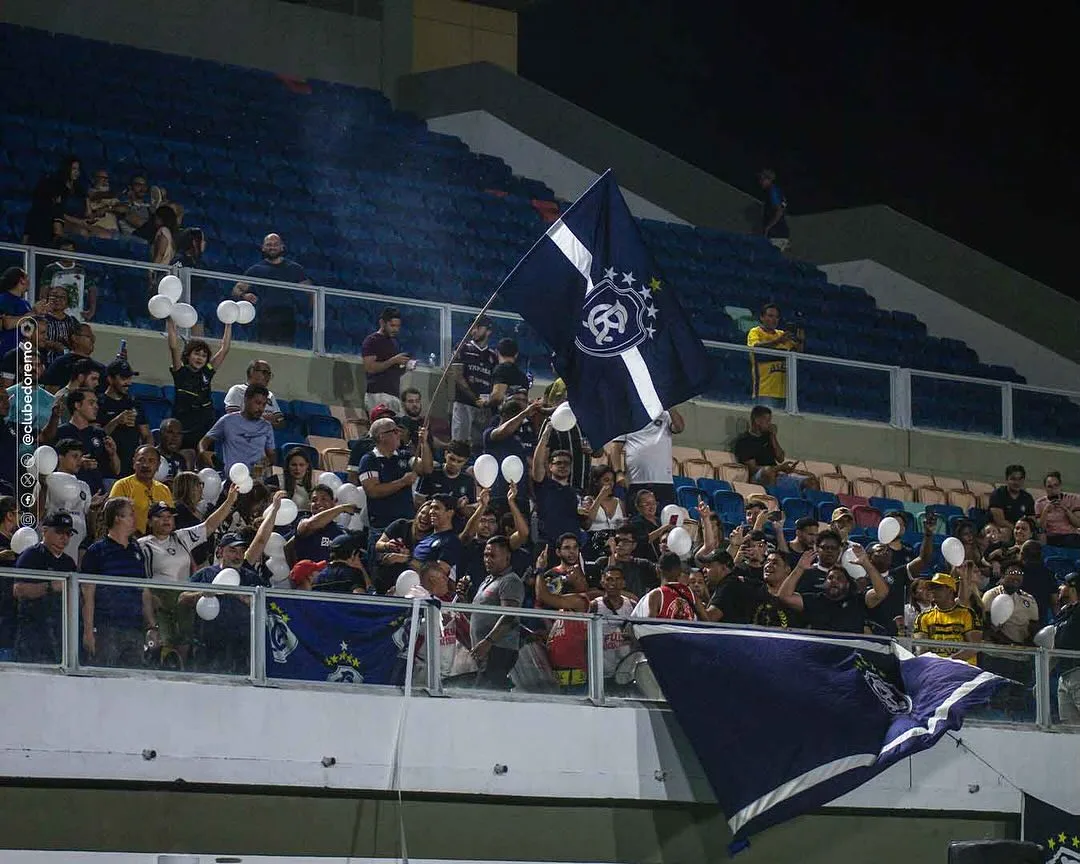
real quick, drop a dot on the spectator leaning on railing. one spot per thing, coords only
(770, 372)
(948, 621)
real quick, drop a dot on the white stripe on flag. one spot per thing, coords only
(581, 258)
(941, 713)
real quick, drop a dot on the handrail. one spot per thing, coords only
(899, 391)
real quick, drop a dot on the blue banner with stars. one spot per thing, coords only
(1057, 831)
(619, 338)
(313, 640)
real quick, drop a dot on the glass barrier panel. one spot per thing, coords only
(12, 258)
(318, 637)
(732, 380)
(538, 654)
(1051, 417)
(626, 670)
(32, 619)
(1013, 702)
(839, 390)
(1065, 689)
(960, 406)
(100, 293)
(197, 631)
(283, 315)
(350, 319)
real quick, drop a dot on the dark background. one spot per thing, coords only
(956, 115)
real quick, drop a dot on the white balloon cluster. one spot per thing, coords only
(212, 484)
(349, 493)
(240, 474)
(166, 303)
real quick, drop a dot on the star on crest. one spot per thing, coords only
(282, 614)
(628, 278)
(651, 331)
(610, 273)
(644, 292)
(651, 310)
(1051, 843)
(654, 284)
(344, 646)
(1076, 842)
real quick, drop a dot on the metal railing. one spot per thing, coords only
(814, 384)
(1030, 701)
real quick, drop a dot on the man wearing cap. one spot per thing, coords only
(246, 437)
(365, 443)
(387, 474)
(40, 601)
(225, 641)
(384, 362)
(1017, 630)
(302, 573)
(840, 605)
(473, 368)
(948, 621)
(739, 600)
(142, 487)
(120, 414)
(258, 373)
(315, 533)
(1067, 638)
(344, 573)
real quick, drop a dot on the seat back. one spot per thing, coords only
(899, 489)
(335, 459)
(796, 509)
(867, 487)
(866, 516)
(695, 468)
(729, 507)
(886, 504)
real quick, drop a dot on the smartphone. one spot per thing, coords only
(673, 521)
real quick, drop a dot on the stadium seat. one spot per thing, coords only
(335, 459)
(796, 509)
(853, 501)
(312, 453)
(682, 454)
(866, 517)
(886, 504)
(962, 498)
(323, 425)
(688, 497)
(709, 485)
(749, 489)
(729, 507)
(982, 491)
(679, 482)
(696, 468)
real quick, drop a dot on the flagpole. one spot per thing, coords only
(487, 306)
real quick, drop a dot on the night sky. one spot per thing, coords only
(953, 116)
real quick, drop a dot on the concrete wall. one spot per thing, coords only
(264, 34)
(451, 32)
(943, 317)
(531, 158)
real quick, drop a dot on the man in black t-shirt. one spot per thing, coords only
(450, 478)
(120, 415)
(639, 574)
(760, 451)
(1011, 502)
(507, 379)
(839, 606)
(100, 457)
(741, 600)
(473, 366)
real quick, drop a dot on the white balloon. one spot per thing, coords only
(160, 306)
(238, 471)
(347, 493)
(485, 470)
(286, 513)
(245, 312)
(953, 551)
(407, 580)
(512, 469)
(679, 541)
(670, 511)
(888, 529)
(171, 287)
(356, 522)
(275, 545)
(184, 314)
(63, 489)
(279, 567)
(212, 484)
(208, 608)
(329, 478)
(563, 418)
(245, 486)
(1045, 637)
(1001, 609)
(206, 475)
(227, 576)
(228, 311)
(23, 539)
(45, 459)
(162, 470)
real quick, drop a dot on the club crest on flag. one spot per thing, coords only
(614, 316)
(890, 696)
(282, 640)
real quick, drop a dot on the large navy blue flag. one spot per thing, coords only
(309, 640)
(621, 341)
(784, 722)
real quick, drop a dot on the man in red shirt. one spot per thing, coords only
(673, 599)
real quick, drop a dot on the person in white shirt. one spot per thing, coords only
(258, 372)
(65, 493)
(168, 555)
(645, 457)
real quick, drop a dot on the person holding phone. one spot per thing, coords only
(1058, 513)
(121, 415)
(759, 450)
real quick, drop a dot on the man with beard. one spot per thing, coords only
(639, 574)
(384, 362)
(120, 414)
(839, 606)
(739, 600)
(481, 527)
(276, 312)
(750, 552)
(889, 614)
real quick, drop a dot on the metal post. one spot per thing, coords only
(1007, 411)
(433, 649)
(595, 654)
(258, 636)
(318, 322)
(71, 631)
(31, 274)
(792, 393)
(184, 275)
(903, 398)
(1042, 687)
(446, 335)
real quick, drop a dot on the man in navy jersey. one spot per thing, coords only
(513, 432)
(443, 543)
(100, 456)
(315, 534)
(40, 601)
(344, 572)
(450, 478)
(387, 474)
(474, 365)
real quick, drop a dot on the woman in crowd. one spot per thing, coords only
(393, 550)
(299, 480)
(646, 522)
(163, 247)
(193, 370)
(187, 494)
(919, 600)
(602, 510)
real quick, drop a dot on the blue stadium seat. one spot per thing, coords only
(729, 507)
(312, 453)
(688, 497)
(886, 504)
(323, 424)
(710, 486)
(679, 482)
(796, 509)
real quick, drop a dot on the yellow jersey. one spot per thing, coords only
(769, 374)
(947, 626)
(141, 497)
